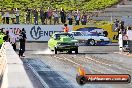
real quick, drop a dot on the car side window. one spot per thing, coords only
(77, 34)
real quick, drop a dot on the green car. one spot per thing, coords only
(63, 42)
(1, 38)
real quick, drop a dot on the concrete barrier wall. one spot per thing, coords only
(14, 74)
(3, 63)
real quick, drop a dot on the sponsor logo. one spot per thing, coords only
(37, 32)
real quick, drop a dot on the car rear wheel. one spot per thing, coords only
(81, 80)
(91, 42)
(55, 51)
(76, 51)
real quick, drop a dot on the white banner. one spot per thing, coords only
(35, 32)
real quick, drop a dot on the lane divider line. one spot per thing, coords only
(64, 58)
(37, 76)
(97, 61)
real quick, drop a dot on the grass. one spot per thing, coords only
(66, 4)
(83, 5)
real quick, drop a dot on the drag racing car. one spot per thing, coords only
(90, 38)
(63, 42)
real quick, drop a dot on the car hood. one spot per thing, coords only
(67, 40)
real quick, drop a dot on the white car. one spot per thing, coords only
(90, 38)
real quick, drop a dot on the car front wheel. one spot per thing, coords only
(91, 42)
(70, 51)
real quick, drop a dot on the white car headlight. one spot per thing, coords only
(58, 43)
(76, 44)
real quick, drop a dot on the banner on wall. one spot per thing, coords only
(43, 32)
(35, 32)
(105, 29)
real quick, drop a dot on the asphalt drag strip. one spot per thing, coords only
(60, 70)
(48, 77)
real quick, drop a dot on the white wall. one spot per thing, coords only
(36, 32)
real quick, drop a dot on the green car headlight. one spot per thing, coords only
(58, 43)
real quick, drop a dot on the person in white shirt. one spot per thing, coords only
(13, 16)
(13, 39)
(69, 17)
(7, 15)
(129, 37)
(56, 17)
(17, 15)
(77, 17)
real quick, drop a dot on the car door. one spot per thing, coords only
(95, 37)
(77, 35)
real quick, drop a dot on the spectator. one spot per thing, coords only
(17, 15)
(49, 15)
(13, 40)
(6, 38)
(116, 25)
(69, 17)
(84, 19)
(129, 37)
(3, 16)
(35, 13)
(22, 39)
(63, 16)
(45, 17)
(7, 15)
(56, 17)
(42, 16)
(124, 40)
(13, 16)
(2, 31)
(28, 14)
(122, 28)
(77, 18)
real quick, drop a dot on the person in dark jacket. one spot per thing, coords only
(35, 13)
(42, 16)
(22, 39)
(6, 38)
(63, 16)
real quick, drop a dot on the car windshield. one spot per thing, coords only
(57, 36)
